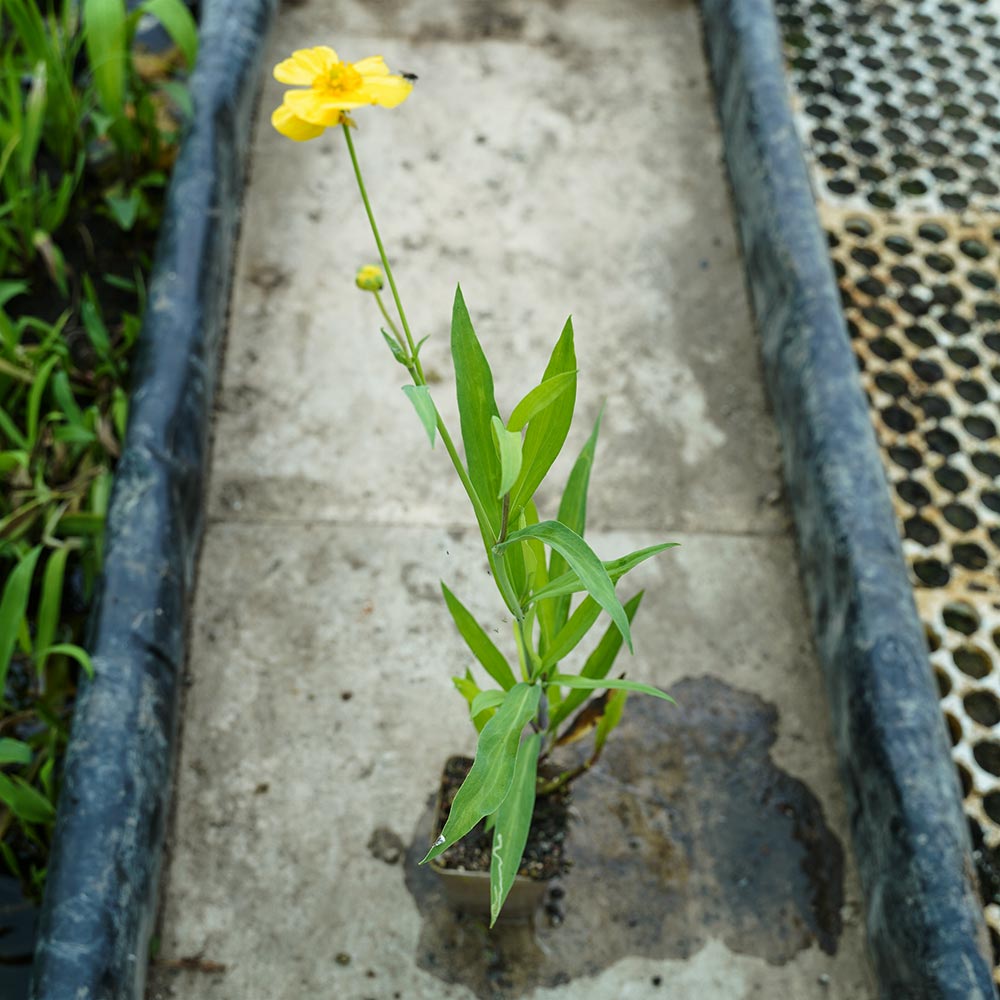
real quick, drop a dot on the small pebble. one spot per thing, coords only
(343, 958)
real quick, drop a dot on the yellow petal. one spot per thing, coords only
(305, 65)
(321, 109)
(386, 90)
(293, 127)
(372, 66)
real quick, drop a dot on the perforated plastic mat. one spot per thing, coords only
(898, 107)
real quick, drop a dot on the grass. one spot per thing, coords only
(88, 133)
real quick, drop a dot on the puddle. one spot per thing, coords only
(686, 832)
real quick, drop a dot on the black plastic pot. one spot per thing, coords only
(100, 899)
(925, 925)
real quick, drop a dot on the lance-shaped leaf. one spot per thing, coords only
(420, 397)
(615, 683)
(540, 397)
(397, 352)
(487, 699)
(573, 513)
(598, 665)
(13, 605)
(476, 407)
(508, 446)
(570, 635)
(513, 821)
(15, 752)
(570, 582)
(468, 689)
(493, 661)
(584, 563)
(488, 782)
(548, 428)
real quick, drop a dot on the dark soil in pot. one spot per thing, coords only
(544, 856)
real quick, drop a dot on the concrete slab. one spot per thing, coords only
(555, 158)
(568, 167)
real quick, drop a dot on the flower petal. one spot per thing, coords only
(293, 127)
(385, 90)
(322, 109)
(372, 66)
(305, 65)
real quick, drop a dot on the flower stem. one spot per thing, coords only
(390, 322)
(419, 373)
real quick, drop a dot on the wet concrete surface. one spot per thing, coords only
(686, 832)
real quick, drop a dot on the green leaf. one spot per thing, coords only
(570, 583)
(468, 689)
(13, 605)
(508, 446)
(603, 683)
(476, 407)
(15, 752)
(485, 700)
(180, 25)
(598, 664)
(107, 51)
(11, 289)
(610, 719)
(180, 95)
(570, 635)
(50, 604)
(397, 352)
(548, 429)
(124, 209)
(27, 804)
(420, 397)
(583, 561)
(97, 332)
(489, 780)
(540, 397)
(513, 821)
(573, 513)
(76, 653)
(493, 661)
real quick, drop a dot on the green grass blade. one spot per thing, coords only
(493, 661)
(583, 561)
(50, 605)
(610, 718)
(598, 665)
(476, 407)
(27, 804)
(15, 752)
(513, 821)
(13, 605)
(420, 397)
(179, 25)
(486, 700)
(105, 38)
(489, 780)
(75, 653)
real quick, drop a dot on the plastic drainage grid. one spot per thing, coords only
(898, 108)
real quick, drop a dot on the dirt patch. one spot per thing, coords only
(686, 832)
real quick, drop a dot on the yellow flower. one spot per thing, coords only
(332, 88)
(369, 278)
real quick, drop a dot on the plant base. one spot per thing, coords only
(464, 868)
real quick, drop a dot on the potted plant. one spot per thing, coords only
(535, 706)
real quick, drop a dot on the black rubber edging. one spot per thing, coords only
(101, 895)
(924, 919)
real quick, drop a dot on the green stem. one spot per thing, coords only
(419, 374)
(391, 323)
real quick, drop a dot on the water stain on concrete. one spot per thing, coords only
(686, 832)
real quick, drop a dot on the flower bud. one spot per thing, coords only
(369, 278)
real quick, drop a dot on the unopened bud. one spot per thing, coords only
(369, 278)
